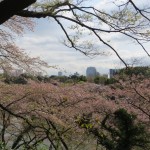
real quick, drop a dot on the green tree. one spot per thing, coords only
(100, 80)
(139, 70)
(82, 78)
(118, 131)
(97, 80)
(110, 81)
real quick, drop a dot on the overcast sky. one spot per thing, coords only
(46, 39)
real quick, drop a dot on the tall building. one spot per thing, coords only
(91, 72)
(60, 73)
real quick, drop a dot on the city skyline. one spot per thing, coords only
(46, 42)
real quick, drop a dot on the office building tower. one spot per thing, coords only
(91, 72)
(60, 74)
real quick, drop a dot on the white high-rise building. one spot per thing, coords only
(91, 72)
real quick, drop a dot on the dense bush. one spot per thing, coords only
(16, 80)
(110, 81)
(100, 80)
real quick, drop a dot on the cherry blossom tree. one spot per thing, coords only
(132, 92)
(11, 56)
(43, 112)
(39, 112)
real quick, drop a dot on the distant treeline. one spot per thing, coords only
(24, 78)
(139, 70)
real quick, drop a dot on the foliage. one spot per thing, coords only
(82, 78)
(63, 79)
(2, 146)
(24, 78)
(97, 80)
(12, 56)
(76, 78)
(15, 80)
(145, 71)
(44, 111)
(134, 91)
(100, 80)
(110, 81)
(70, 79)
(119, 131)
(35, 112)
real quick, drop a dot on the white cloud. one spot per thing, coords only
(45, 42)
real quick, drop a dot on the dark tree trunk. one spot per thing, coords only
(9, 7)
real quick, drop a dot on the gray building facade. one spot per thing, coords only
(60, 73)
(91, 72)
